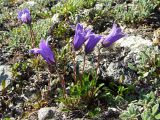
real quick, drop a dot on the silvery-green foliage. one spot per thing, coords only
(148, 66)
(72, 6)
(21, 34)
(131, 113)
(38, 9)
(146, 108)
(135, 12)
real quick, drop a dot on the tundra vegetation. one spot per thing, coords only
(59, 53)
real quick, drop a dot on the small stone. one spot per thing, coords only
(46, 113)
(5, 74)
(51, 113)
(133, 42)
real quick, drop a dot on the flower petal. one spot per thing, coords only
(79, 28)
(114, 35)
(81, 35)
(111, 39)
(79, 39)
(46, 57)
(92, 42)
(87, 33)
(26, 10)
(19, 15)
(35, 51)
(46, 50)
(24, 16)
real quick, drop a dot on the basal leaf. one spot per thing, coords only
(155, 109)
(157, 116)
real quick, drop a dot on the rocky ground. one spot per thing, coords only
(26, 96)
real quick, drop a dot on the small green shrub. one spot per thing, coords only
(82, 93)
(18, 34)
(148, 67)
(38, 10)
(146, 108)
(129, 13)
(72, 6)
(135, 12)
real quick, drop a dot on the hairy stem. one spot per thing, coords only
(84, 63)
(32, 36)
(49, 83)
(74, 62)
(98, 59)
(61, 78)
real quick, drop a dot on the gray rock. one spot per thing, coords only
(50, 113)
(132, 46)
(46, 113)
(114, 68)
(133, 42)
(5, 74)
(89, 65)
(114, 60)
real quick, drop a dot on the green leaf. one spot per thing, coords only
(66, 110)
(157, 116)
(6, 118)
(131, 109)
(97, 89)
(145, 74)
(145, 115)
(155, 109)
(3, 84)
(131, 66)
(125, 115)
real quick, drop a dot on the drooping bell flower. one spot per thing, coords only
(80, 36)
(92, 42)
(24, 16)
(115, 34)
(45, 51)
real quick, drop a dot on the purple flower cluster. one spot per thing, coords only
(86, 36)
(81, 36)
